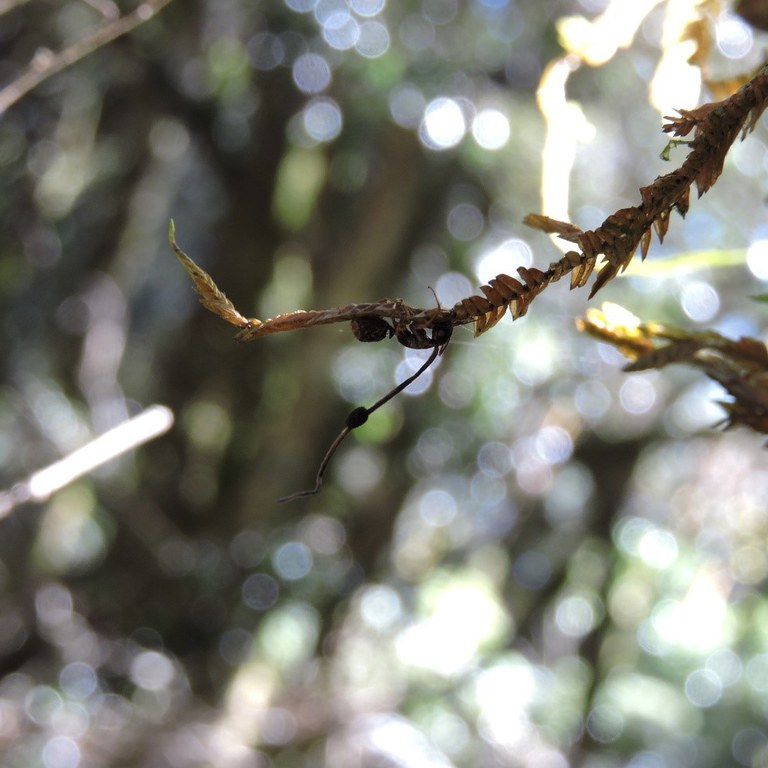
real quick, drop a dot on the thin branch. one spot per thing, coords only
(46, 63)
(39, 486)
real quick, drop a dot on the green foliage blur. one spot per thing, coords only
(528, 559)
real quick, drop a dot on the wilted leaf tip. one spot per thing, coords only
(211, 297)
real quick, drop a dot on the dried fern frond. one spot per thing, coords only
(715, 127)
(740, 366)
(211, 297)
(371, 321)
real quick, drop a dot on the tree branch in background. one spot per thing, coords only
(46, 63)
(39, 486)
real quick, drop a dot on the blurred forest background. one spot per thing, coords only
(530, 558)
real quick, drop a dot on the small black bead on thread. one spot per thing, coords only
(357, 417)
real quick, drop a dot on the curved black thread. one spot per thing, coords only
(356, 418)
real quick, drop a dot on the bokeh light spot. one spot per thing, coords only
(700, 301)
(311, 73)
(494, 459)
(360, 470)
(325, 535)
(278, 726)
(452, 287)
(367, 8)
(341, 31)
(553, 444)
(413, 359)
(572, 488)
(638, 394)
(288, 634)
(322, 119)
(435, 448)
(734, 36)
(440, 11)
(443, 125)
(265, 51)
(381, 607)
(78, 680)
(592, 399)
(575, 616)
(757, 259)
(457, 390)
(437, 507)
(169, 139)
(703, 688)
(260, 591)
(373, 40)
(293, 560)
(327, 9)
(301, 6)
(490, 129)
(61, 752)
(747, 745)
(756, 673)
(749, 564)
(657, 548)
(506, 256)
(605, 724)
(726, 665)
(465, 221)
(41, 704)
(152, 670)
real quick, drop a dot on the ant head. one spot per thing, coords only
(441, 333)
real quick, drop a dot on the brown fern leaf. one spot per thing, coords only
(579, 265)
(661, 224)
(715, 127)
(481, 311)
(615, 325)
(645, 244)
(688, 119)
(740, 366)
(211, 297)
(563, 229)
(502, 293)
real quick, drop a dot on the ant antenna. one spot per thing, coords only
(355, 419)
